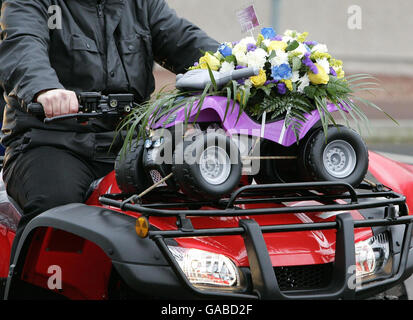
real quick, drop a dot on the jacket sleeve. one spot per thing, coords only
(24, 59)
(177, 43)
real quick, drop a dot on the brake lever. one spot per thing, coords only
(78, 116)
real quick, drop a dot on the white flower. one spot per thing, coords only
(248, 83)
(296, 76)
(320, 48)
(290, 33)
(257, 58)
(301, 50)
(288, 38)
(324, 64)
(305, 82)
(247, 41)
(241, 58)
(239, 48)
(280, 58)
(227, 67)
(267, 42)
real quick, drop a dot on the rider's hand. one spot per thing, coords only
(57, 102)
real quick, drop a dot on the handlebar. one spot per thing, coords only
(92, 105)
(198, 79)
(244, 73)
(35, 109)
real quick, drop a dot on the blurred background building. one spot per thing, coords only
(370, 36)
(379, 40)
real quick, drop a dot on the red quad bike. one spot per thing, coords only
(271, 241)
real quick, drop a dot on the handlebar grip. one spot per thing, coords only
(35, 109)
(245, 73)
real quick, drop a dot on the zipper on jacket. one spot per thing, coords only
(100, 5)
(101, 20)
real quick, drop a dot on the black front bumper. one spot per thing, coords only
(263, 280)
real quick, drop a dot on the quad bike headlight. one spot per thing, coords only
(373, 258)
(207, 270)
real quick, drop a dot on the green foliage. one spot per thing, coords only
(292, 46)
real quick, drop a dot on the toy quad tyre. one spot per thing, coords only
(342, 156)
(129, 169)
(208, 166)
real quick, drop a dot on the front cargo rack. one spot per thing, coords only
(264, 282)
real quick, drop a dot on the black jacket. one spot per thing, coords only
(110, 51)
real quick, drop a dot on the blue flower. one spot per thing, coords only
(225, 50)
(282, 72)
(268, 33)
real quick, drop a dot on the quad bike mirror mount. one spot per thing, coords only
(92, 105)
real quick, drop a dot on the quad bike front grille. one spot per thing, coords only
(304, 277)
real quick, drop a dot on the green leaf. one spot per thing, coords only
(230, 59)
(273, 54)
(292, 46)
(266, 89)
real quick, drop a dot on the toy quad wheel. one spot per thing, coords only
(129, 171)
(342, 156)
(208, 167)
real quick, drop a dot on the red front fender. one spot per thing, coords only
(396, 175)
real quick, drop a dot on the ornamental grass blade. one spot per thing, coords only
(211, 75)
(201, 101)
(229, 93)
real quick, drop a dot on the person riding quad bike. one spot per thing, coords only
(102, 46)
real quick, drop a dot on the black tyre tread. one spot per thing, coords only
(189, 186)
(303, 154)
(310, 160)
(126, 166)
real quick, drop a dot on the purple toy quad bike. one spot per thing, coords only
(222, 146)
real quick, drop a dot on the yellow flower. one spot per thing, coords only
(302, 37)
(260, 39)
(320, 55)
(336, 63)
(340, 72)
(209, 60)
(320, 78)
(289, 84)
(259, 80)
(277, 45)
